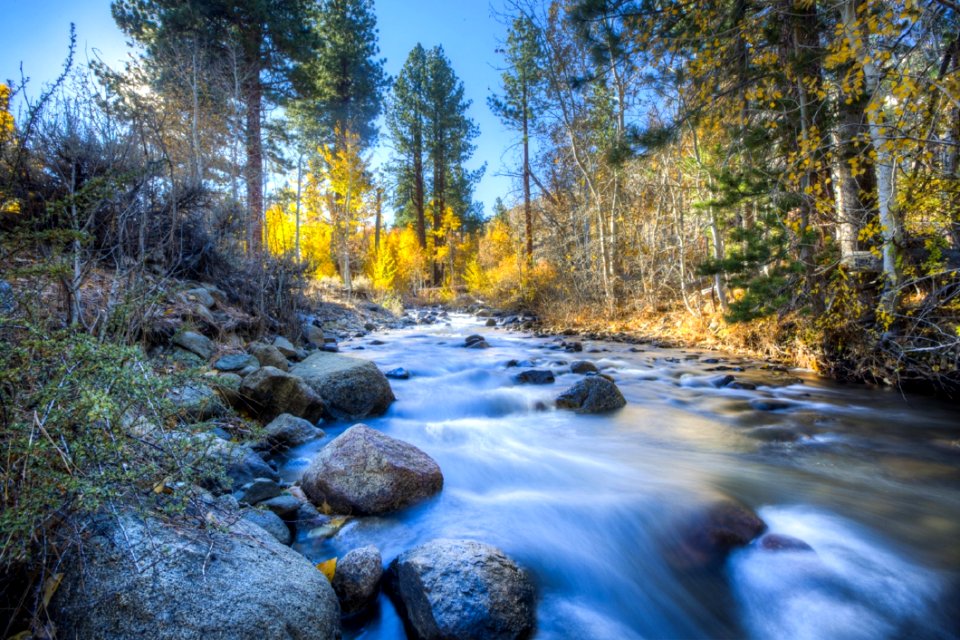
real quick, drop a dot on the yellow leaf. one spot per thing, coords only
(328, 568)
(50, 587)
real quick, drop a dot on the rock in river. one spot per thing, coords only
(273, 392)
(357, 578)
(593, 394)
(534, 376)
(364, 472)
(462, 589)
(153, 581)
(705, 536)
(352, 388)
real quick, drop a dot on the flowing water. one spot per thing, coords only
(589, 504)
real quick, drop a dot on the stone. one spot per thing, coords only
(273, 392)
(706, 535)
(196, 402)
(285, 347)
(285, 505)
(594, 394)
(199, 295)
(268, 355)
(258, 490)
(356, 580)
(534, 376)
(781, 542)
(154, 581)
(287, 431)
(236, 362)
(195, 343)
(491, 322)
(770, 404)
(365, 472)
(573, 347)
(271, 523)
(398, 374)
(351, 388)
(583, 366)
(462, 589)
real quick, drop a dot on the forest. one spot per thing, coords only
(776, 178)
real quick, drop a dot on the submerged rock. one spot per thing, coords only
(365, 472)
(475, 342)
(462, 589)
(594, 394)
(273, 392)
(150, 580)
(398, 374)
(781, 542)
(351, 388)
(534, 376)
(357, 578)
(705, 536)
(583, 366)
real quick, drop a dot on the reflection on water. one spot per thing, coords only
(589, 503)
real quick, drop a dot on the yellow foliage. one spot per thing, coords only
(328, 568)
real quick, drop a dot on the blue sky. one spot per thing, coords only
(35, 33)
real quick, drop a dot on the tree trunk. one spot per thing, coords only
(253, 99)
(377, 222)
(299, 192)
(527, 212)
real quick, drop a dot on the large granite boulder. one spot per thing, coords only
(273, 392)
(351, 388)
(356, 580)
(365, 472)
(593, 394)
(462, 589)
(152, 581)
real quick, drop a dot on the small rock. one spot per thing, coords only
(534, 376)
(236, 362)
(199, 295)
(491, 322)
(573, 347)
(780, 542)
(365, 472)
(257, 491)
(357, 578)
(707, 535)
(745, 386)
(287, 431)
(594, 394)
(583, 366)
(268, 356)
(398, 374)
(269, 522)
(285, 505)
(286, 348)
(770, 404)
(475, 342)
(195, 343)
(377, 343)
(314, 335)
(462, 589)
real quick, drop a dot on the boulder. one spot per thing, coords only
(356, 580)
(351, 388)
(704, 536)
(287, 431)
(273, 392)
(196, 402)
(268, 355)
(314, 335)
(491, 322)
(594, 394)
(462, 589)
(195, 343)
(286, 506)
(534, 376)
(286, 347)
(365, 472)
(236, 362)
(154, 581)
(583, 366)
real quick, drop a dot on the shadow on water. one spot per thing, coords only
(589, 504)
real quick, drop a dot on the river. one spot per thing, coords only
(870, 480)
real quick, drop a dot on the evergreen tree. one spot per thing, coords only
(520, 83)
(273, 38)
